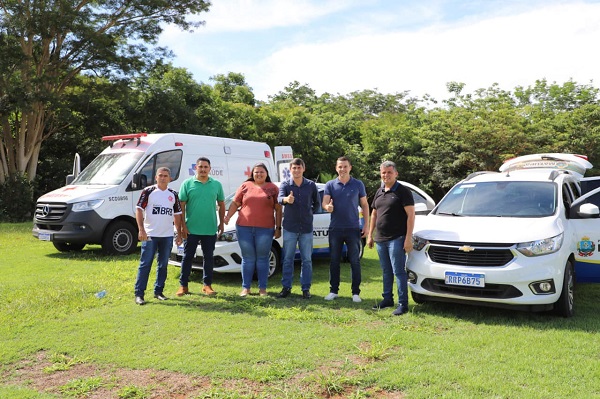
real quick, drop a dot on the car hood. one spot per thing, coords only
(487, 229)
(77, 193)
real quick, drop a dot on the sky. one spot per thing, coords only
(392, 46)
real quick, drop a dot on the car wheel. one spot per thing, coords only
(274, 260)
(120, 238)
(363, 243)
(418, 298)
(68, 246)
(564, 306)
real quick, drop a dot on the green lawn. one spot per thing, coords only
(59, 340)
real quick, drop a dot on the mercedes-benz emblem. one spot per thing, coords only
(45, 210)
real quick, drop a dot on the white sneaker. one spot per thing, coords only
(356, 298)
(331, 296)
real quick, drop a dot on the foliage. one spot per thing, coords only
(16, 199)
(46, 45)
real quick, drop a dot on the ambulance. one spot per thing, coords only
(97, 206)
(518, 238)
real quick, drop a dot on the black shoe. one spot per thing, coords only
(306, 294)
(140, 300)
(400, 310)
(383, 304)
(285, 292)
(160, 297)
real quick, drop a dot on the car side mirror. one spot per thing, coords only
(588, 211)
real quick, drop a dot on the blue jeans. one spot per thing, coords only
(305, 244)
(207, 244)
(255, 243)
(163, 246)
(337, 238)
(393, 259)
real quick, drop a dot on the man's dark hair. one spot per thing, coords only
(203, 159)
(298, 161)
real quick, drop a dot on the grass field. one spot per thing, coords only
(59, 340)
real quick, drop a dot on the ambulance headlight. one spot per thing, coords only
(229, 236)
(541, 247)
(87, 205)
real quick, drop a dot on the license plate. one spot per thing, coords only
(180, 250)
(465, 279)
(44, 236)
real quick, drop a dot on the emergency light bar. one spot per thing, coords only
(131, 136)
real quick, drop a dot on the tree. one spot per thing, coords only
(46, 44)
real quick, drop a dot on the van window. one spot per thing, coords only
(500, 199)
(169, 159)
(108, 169)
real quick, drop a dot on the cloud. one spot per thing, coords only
(556, 42)
(252, 15)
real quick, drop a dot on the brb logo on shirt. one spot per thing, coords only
(160, 210)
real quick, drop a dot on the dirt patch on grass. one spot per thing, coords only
(70, 378)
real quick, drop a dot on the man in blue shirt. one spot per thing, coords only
(301, 200)
(342, 197)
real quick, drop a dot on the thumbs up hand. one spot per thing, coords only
(329, 206)
(290, 198)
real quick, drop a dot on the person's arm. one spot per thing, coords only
(184, 229)
(139, 218)
(327, 203)
(365, 211)
(410, 225)
(278, 217)
(221, 229)
(178, 218)
(372, 228)
(231, 211)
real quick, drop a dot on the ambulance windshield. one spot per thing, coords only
(108, 169)
(500, 199)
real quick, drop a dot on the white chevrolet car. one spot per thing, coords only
(228, 256)
(517, 238)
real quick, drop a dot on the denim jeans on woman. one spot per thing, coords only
(393, 263)
(162, 245)
(255, 243)
(305, 244)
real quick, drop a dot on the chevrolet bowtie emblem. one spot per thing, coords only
(466, 248)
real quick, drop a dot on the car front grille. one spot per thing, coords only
(490, 291)
(50, 212)
(470, 254)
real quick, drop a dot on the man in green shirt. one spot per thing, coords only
(200, 195)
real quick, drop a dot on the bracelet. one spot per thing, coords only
(278, 228)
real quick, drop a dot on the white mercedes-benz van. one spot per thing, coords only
(98, 206)
(517, 238)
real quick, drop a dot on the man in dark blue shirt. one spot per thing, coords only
(301, 200)
(342, 198)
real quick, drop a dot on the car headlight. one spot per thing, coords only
(541, 247)
(229, 236)
(87, 205)
(419, 243)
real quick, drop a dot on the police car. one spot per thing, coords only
(517, 238)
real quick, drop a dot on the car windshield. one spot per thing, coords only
(506, 199)
(108, 169)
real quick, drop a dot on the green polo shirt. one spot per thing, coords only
(201, 204)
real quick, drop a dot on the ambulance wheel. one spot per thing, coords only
(68, 246)
(564, 306)
(274, 260)
(120, 238)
